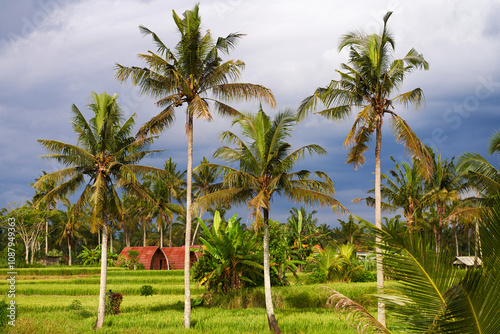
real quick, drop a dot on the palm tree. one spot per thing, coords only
(367, 82)
(71, 227)
(167, 189)
(104, 158)
(186, 75)
(350, 232)
(443, 188)
(403, 191)
(265, 169)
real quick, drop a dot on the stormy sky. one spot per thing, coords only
(54, 53)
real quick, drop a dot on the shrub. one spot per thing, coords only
(317, 276)
(133, 259)
(3, 313)
(146, 290)
(77, 308)
(113, 303)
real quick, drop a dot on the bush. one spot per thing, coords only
(368, 277)
(113, 302)
(77, 308)
(317, 276)
(237, 299)
(3, 313)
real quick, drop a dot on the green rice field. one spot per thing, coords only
(44, 294)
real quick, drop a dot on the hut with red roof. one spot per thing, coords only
(151, 257)
(166, 258)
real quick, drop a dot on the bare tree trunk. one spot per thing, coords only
(440, 228)
(127, 238)
(32, 252)
(160, 226)
(477, 241)
(378, 219)
(144, 232)
(170, 234)
(468, 240)
(111, 241)
(104, 272)
(271, 319)
(69, 252)
(46, 236)
(187, 243)
(195, 233)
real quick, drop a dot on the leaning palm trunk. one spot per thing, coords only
(187, 243)
(378, 221)
(104, 273)
(271, 319)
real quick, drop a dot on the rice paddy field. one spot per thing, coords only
(43, 297)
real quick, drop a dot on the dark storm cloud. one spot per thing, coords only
(54, 53)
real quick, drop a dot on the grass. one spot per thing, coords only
(42, 305)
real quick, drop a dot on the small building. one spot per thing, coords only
(467, 261)
(166, 258)
(151, 257)
(175, 256)
(51, 260)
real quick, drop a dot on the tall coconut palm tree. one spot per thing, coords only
(104, 158)
(265, 168)
(367, 82)
(187, 75)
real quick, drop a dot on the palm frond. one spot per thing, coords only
(356, 314)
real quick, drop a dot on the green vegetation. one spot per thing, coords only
(299, 306)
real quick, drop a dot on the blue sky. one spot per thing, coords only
(53, 53)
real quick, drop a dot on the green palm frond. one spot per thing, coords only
(405, 135)
(159, 122)
(245, 92)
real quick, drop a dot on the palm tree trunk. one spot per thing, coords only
(127, 238)
(187, 243)
(456, 238)
(104, 272)
(271, 319)
(440, 228)
(195, 233)
(477, 244)
(468, 240)
(170, 234)
(378, 220)
(144, 233)
(69, 251)
(160, 227)
(46, 236)
(111, 241)
(477, 240)
(98, 236)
